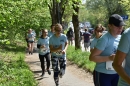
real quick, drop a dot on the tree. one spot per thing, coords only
(57, 8)
(75, 21)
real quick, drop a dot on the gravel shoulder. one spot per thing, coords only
(74, 75)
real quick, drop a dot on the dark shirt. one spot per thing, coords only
(86, 36)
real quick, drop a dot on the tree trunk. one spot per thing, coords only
(75, 21)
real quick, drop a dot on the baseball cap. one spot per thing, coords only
(116, 20)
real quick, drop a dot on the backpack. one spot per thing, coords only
(70, 33)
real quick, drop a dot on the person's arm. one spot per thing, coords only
(117, 65)
(66, 46)
(95, 56)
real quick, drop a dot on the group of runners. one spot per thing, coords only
(52, 46)
(110, 52)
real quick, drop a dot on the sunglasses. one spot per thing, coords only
(58, 30)
(99, 30)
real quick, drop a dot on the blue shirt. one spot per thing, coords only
(108, 45)
(124, 46)
(50, 33)
(56, 42)
(45, 42)
(93, 42)
(31, 37)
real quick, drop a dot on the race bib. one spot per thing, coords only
(59, 53)
(30, 39)
(109, 65)
(43, 50)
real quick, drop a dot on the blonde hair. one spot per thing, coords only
(58, 26)
(100, 27)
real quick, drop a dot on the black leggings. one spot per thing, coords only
(41, 57)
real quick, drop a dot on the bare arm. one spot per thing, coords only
(95, 56)
(117, 65)
(66, 46)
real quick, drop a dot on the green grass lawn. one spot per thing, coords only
(80, 58)
(13, 70)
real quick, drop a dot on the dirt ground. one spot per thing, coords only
(74, 75)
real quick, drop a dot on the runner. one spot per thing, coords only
(52, 31)
(58, 46)
(30, 38)
(44, 51)
(97, 33)
(123, 57)
(104, 53)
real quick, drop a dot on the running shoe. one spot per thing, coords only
(42, 75)
(49, 72)
(56, 81)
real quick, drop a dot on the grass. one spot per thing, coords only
(80, 58)
(13, 70)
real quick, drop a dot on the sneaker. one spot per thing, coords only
(42, 75)
(56, 81)
(49, 72)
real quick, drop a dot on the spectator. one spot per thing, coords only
(70, 36)
(86, 39)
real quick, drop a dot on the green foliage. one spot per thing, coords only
(99, 11)
(17, 16)
(14, 71)
(80, 58)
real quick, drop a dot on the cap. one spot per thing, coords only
(116, 20)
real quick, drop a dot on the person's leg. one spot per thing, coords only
(115, 79)
(55, 69)
(62, 62)
(41, 58)
(85, 46)
(32, 43)
(29, 48)
(71, 40)
(47, 56)
(101, 79)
